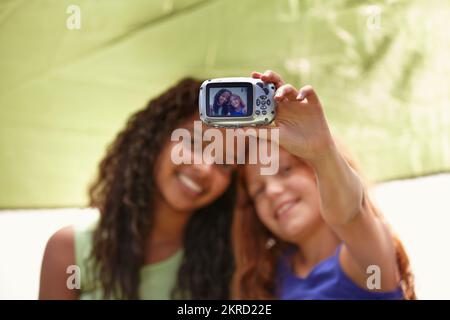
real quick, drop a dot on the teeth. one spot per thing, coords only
(189, 183)
(284, 208)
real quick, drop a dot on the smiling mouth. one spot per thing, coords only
(190, 184)
(285, 208)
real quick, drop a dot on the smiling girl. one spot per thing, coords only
(163, 230)
(221, 103)
(237, 106)
(311, 230)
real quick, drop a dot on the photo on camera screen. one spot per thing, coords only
(228, 102)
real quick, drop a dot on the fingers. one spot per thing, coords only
(286, 92)
(269, 76)
(308, 93)
(256, 75)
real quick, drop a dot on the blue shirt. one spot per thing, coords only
(237, 113)
(326, 281)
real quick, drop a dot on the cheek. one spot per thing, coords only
(265, 214)
(304, 186)
(308, 210)
(163, 167)
(219, 183)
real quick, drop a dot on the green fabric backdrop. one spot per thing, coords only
(383, 78)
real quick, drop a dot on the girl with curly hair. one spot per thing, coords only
(163, 230)
(221, 104)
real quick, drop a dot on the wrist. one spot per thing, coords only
(326, 158)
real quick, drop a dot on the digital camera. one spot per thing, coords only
(236, 102)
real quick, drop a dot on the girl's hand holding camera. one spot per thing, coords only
(303, 128)
(304, 132)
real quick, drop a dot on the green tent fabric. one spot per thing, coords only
(380, 67)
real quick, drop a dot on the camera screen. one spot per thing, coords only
(229, 100)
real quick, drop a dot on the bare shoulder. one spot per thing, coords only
(59, 254)
(62, 241)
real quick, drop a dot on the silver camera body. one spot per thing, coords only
(236, 102)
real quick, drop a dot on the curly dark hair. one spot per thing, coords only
(216, 104)
(123, 192)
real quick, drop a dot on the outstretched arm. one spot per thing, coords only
(305, 133)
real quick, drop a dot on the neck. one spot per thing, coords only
(319, 245)
(166, 236)
(168, 224)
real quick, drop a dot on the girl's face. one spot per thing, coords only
(235, 102)
(288, 202)
(224, 97)
(188, 187)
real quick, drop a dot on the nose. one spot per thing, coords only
(203, 170)
(274, 188)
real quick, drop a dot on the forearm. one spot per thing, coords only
(340, 188)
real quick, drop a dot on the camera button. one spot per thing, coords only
(268, 102)
(263, 97)
(258, 102)
(257, 112)
(264, 112)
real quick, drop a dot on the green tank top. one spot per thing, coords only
(157, 279)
